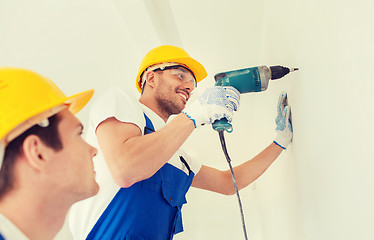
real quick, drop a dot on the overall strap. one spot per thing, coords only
(150, 129)
(185, 164)
(1, 237)
(148, 125)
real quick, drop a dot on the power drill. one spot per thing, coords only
(254, 79)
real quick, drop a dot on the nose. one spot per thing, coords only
(93, 150)
(189, 86)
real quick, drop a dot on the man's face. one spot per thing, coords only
(173, 89)
(72, 167)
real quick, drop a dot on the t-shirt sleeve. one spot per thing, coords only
(119, 104)
(191, 160)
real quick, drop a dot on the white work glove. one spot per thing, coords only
(284, 127)
(215, 103)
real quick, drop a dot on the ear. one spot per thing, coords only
(150, 78)
(35, 151)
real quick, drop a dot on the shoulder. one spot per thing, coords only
(115, 96)
(117, 103)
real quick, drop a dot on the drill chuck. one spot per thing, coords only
(280, 71)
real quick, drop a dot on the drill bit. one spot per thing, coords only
(280, 71)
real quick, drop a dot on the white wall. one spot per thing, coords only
(333, 111)
(322, 186)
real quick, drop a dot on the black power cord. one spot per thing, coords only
(223, 143)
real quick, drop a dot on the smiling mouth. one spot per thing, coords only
(183, 95)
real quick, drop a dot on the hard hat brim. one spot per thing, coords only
(78, 101)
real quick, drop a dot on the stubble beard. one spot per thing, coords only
(168, 107)
(166, 104)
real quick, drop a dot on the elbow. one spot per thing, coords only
(123, 174)
(230, 192)
(229, 188)
(123, 177)
(126, 173)
(128, 177)
(124, 182)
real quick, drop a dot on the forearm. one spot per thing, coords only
(140, 157)
(249, 171)
(221, 181)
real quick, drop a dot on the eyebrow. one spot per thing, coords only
(188, 70)
(183, 69)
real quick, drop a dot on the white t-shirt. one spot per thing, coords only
(119, 104)
(9, 231)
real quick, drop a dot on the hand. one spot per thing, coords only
(283, 121)
(215, 103)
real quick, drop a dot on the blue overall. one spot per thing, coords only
(149, 209)
(1, 237)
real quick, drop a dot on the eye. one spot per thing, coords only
(181, 76)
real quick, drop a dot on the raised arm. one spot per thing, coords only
(221, 181)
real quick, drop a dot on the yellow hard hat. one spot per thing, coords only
(26, 95)
(167, 53)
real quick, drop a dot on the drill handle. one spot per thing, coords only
(222, 125)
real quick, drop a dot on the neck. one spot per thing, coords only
(36, 216)
(152, 104)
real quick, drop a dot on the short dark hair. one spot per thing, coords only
(49, 136)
